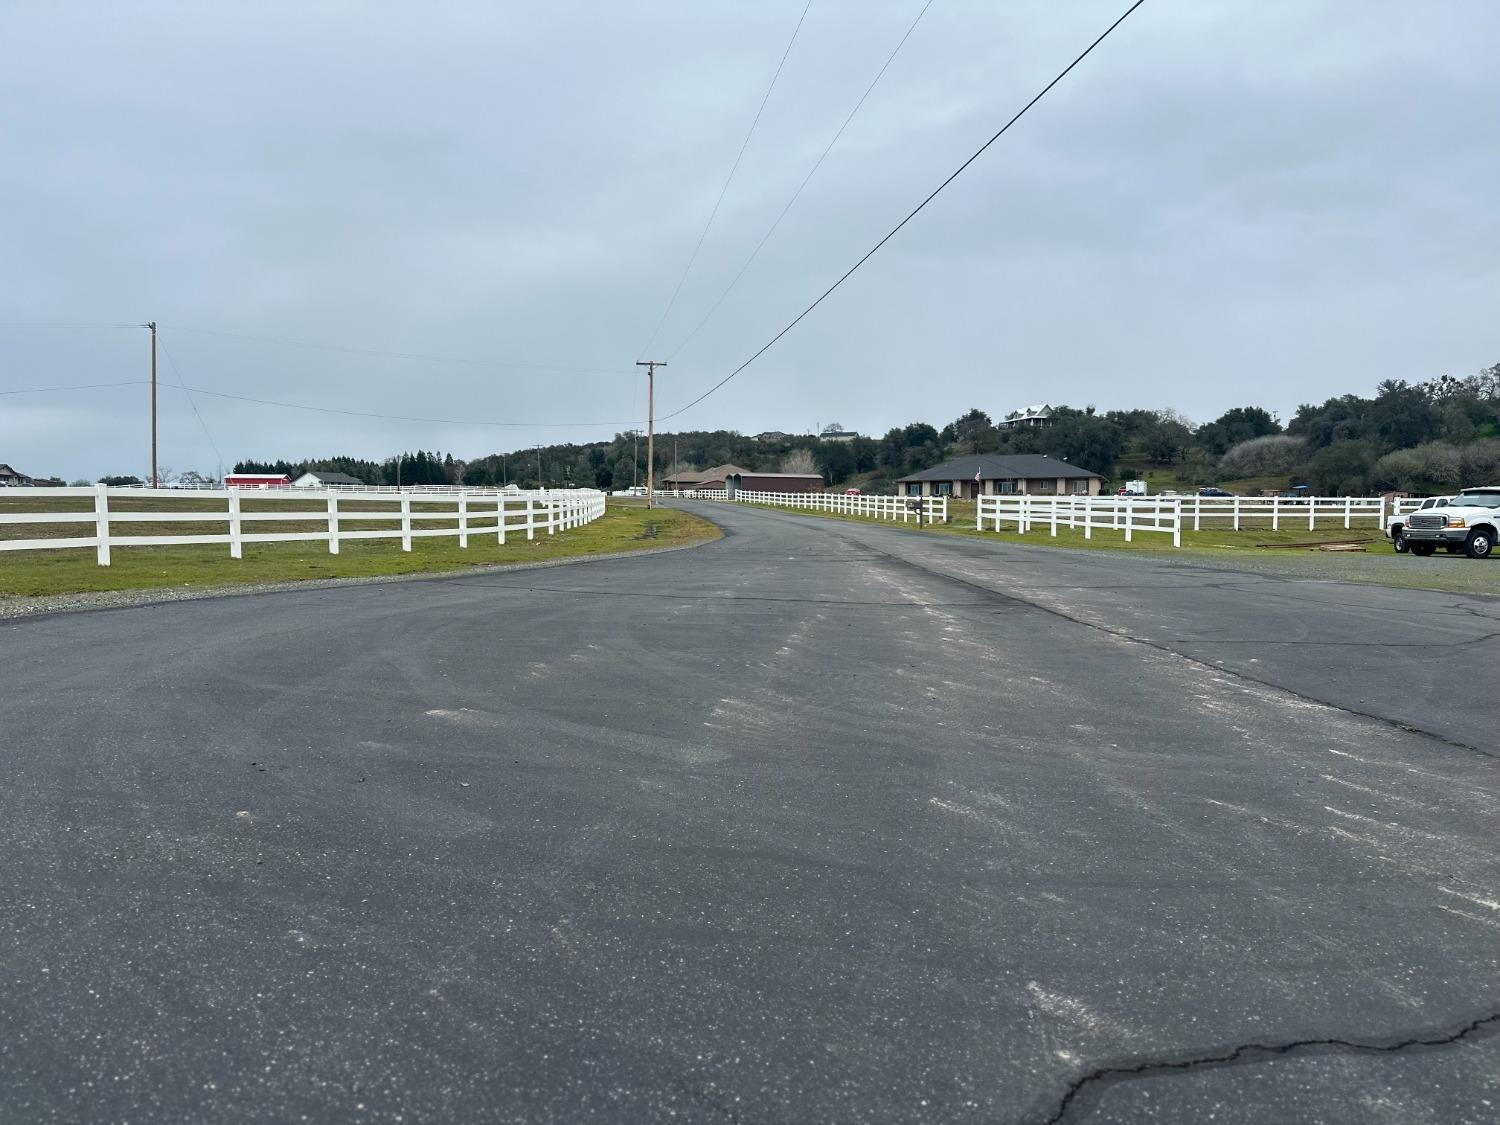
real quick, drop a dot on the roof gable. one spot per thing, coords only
(1017, 466)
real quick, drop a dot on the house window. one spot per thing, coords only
(914, 489)
(942, 488)
(1080, 488)
(1005, 487)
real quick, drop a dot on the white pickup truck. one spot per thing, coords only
(1395, 525)
(1469, 524)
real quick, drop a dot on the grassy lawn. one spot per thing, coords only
(625, 526)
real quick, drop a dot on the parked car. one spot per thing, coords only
(1210, 491)
(851, 492)
(1395, 525)
(1469, 523)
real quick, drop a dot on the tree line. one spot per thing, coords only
(1420, 437)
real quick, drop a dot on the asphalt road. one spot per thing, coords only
(821, 822)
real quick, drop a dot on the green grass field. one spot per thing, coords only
(625, 526)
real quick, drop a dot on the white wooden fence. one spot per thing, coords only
(904, 508)
(1115, 513)
(1293, 510)
(466, 512)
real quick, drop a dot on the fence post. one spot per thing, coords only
(333, 522)
(1129, 517)
(551, 516)
(500, 517)
(236, 540)
(405, 522)
(1088, 521)
(1054, 517)
(101, 521)
(1312, 512)
(1276, 513)
(530, 520)
(1177, 524)
(1348, 510)
(463, 519)
(1197, 513)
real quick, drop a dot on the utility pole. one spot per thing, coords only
(152, 326)
(650, 365)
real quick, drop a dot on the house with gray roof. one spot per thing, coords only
(1033, 474)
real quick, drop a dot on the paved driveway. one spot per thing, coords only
(821, 822)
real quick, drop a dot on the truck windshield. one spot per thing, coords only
(1480, 499)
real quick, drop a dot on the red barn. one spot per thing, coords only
(257, 480)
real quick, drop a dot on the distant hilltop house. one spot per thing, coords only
(321, 479)
(772, 435)
(834, 432)
(1027, 416)
(9, 478)
(257, 480)
(1024, 474)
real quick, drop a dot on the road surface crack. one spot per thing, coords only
(1254, 1053)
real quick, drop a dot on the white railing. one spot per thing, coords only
(466, 512)
(904, 508)
(695, 493)
(1293, 509)
(1114, 513)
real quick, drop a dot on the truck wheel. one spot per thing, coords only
(1481, 543)
(1398, 542)
(1422, 550)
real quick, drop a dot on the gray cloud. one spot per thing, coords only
(1226, 204)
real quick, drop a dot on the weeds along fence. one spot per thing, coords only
(903, 508)
(287, 515)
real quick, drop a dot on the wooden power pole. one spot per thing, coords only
(650, 365)
(152, 326)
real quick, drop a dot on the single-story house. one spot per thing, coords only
(1028, 416)
(322, 479)
(772, 435)
(746, 481)
(9, 478)
(696, 479)
(49, 482)
(834, 432)
(1033, 474)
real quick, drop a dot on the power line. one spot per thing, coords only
(727, 181)
(77, 386)
(194, 404)
(399, 417)
(382, 354)
(811, 172)
(63, 327)
(913, 213)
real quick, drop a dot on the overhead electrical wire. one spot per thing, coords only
(181, 383)
(911, 214)
(400, 417)
(77, 386)
(382, 354)
(723, 191)
(811, 172)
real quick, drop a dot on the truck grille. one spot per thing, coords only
(1427, 521)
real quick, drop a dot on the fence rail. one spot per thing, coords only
(478, 512)
(1114, 513)
(904, 508)
(1236, 509)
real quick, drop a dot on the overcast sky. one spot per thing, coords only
(1227, 203)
